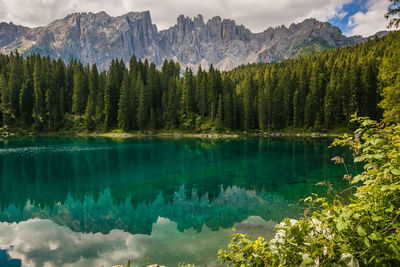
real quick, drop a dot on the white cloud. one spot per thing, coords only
(40, 242)
(254, 14)
(369, 22)
(3, 9)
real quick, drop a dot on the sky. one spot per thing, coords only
(353, 17)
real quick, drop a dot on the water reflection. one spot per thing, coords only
(40, 242)
(98, 202)
(232, 205)
(50, 169)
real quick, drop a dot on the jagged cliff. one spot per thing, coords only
(98, 38)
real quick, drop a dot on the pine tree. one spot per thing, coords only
(278, 110)
(215, 88)
(69, 86)
(143, 107)
(79, 98)
(355, 87)
(330, 102)
(92, 99)
(134, 102)
(40, 93)
(203, 95)
(270, 81)
(152, 96)
(228, 104)
(249, 103)
(314, 102)
(60, 85)
(5, 99)
(370, 85)
(26, 101)
(52, 98)
(299, 99)
(219, 122)
(187, 100)
(100, 114)
(172, 109)
(124, 120)
(15, 82)
(111, 95)
(285, 84)
(262, 109)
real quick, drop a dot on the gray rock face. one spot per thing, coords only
(99, 38)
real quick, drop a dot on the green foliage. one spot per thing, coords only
(310, 47)
(364, 229)
(316, 92)
(125, 102)
(79, 98)
(389, 77)
(92, 99)
(244, 252)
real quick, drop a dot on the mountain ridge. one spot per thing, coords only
(99, 38)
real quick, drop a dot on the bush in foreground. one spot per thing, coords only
(362, 230)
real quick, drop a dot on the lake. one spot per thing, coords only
(100, 202)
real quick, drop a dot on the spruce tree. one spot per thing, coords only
(40, 93)
(5, 99)
(79, 98)
(92, 98)
(52, 98)
(143, 107)
(124, 119)
(248, 102)
(219, 122)
(172, 109)
(26, 101)
(111, 95)
(15, 81)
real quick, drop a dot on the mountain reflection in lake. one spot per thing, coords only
(94, 202)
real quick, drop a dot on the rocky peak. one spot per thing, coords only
(184, 24)
(198, 21)
(9, 32)
(99, 37)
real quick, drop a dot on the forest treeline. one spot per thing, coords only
(315, 92)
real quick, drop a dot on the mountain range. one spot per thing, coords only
(99, 38)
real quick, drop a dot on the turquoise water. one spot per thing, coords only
(99, 202)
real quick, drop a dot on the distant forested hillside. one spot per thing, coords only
(314, 92)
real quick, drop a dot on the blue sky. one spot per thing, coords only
(345, 17)
(342, 20)
(354, 17)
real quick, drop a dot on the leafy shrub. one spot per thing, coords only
(364, 230)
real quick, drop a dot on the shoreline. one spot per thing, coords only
(126, 135)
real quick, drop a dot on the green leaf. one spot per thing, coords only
(341, 225)
(307, 260)
(392, 187)
(377, 218)
(367, 242)
(376, 236)
(361, 231)
(395, 171)
(379, 156)
(359, 158)
(390, 209)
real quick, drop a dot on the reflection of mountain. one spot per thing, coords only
(160, 193)
(96, 185)
(47, 170)
(231, 206)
